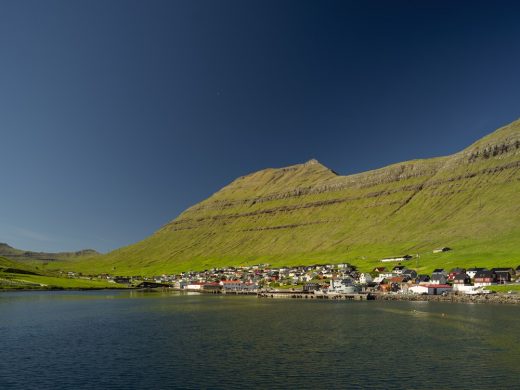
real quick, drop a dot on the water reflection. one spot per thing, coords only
(131, 339)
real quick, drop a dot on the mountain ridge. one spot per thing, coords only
(9, 252)
(308, 213)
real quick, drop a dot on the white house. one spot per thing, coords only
(194, 286)
(365, 278)
(232, 285)
(431, 289)
(344, 286)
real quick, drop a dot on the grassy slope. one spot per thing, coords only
(15, 275)
(306, 213)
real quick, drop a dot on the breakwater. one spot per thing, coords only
(456, 298)
(310, 295)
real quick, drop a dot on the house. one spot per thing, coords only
(484, 278)
(423, 278)
(365, 278)
(180, 285)
(410, 273)
(454, 272)
(443, 249)
(431, 289)
(309, 287)
(345, 286)
(212, 287)
(194, 286)
(250, 286)
(503, 275)
(473, 271)
(122, 280)
(438, 278)
(398, 279)
(460, 280)
(232, 285)
(383, 269)
(398, 269)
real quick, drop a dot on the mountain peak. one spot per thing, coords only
(312, 161)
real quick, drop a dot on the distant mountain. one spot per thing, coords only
(21, 255)
(306, 213)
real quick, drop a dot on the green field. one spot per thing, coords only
(308, 214)
(503, 289)
(14, 275)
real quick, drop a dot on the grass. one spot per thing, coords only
(14, 275)
(504, 288)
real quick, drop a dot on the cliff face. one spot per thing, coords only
(307, 213)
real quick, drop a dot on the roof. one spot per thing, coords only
(501, 269)
(484, 274)
(436, 285)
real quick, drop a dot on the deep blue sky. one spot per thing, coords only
(117, 115)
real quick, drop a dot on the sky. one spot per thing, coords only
(115, 116)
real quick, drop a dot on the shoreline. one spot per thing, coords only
(494, 298)
(66, 289)
(498, 298)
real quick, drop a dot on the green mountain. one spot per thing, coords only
(306, 213)
(35, 257)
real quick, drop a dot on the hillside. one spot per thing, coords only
(28, 256)
(22, 276)
(306, 213)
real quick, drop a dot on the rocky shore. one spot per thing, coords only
(457, 298)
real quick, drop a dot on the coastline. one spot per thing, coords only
(495, 298)
(498, 298)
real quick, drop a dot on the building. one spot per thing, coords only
(484, 278)
(503, 275)
(194, 286)
(212, 287)
(410, 273)
(431, 289)
(398, 269)
(461, 280)
(310, 287)
(443, 249)
(344, 286)
(438, 278)
(455, 271)
(232, 285)
(396, 259)
(365, 278)
(473, 271)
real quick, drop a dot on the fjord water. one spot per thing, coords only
(133, 340)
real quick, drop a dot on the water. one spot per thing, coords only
(132, 340)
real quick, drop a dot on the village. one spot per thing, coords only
(322, 280)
